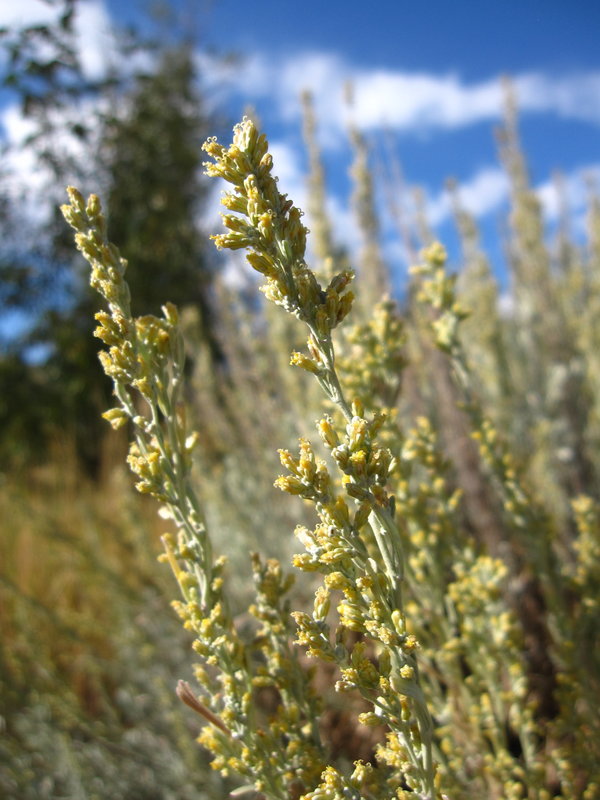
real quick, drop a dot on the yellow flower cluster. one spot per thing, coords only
(358, 550)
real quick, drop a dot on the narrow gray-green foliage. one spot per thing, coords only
(467, 652)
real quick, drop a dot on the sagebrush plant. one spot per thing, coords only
(416, 613)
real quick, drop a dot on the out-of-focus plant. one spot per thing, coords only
(87, 695)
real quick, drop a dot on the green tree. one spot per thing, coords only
(152, 157)
(148, 158)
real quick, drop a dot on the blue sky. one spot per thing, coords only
(426, 76)
(480, 37)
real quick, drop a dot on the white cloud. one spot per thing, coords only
(323, 74)
(549, 196)
(405, 101)
(92, 26)
(23, 181)
(571, 192)
(93, 32)
(26, 12)
(574, 96)
(485, 192)
(26, 181)
(481, 194)
(221, 77)
(439, 207)
(488, 189)
(16, 128)
(289, 170)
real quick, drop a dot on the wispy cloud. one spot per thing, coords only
(570, 193)
(481, 194)
(487, 192)
(92, 26)
(573, 96)
(403, 101)
(26, 12)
